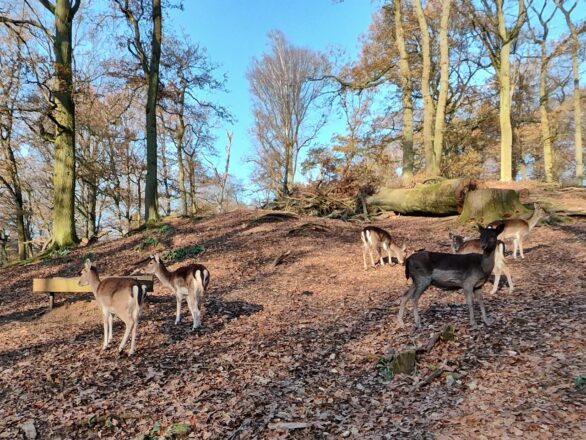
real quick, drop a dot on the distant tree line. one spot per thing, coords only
(441, 88)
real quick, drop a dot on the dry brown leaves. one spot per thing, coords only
(291, 351)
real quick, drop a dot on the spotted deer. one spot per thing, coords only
(377, 239)
(517, 229)
(461, 246)
(188, 282)
(121, 297)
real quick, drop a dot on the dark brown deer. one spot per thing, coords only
(449, 271)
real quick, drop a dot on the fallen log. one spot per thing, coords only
(440, 198)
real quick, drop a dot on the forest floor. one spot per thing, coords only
(294, 350)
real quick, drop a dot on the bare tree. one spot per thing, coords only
(135, 13)
(283, 95)
(498, 39)
(575, 47)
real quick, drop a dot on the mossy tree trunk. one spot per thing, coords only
(489, 204)
(64, 118)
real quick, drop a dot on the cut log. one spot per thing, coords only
(442, 198)
(489, 204)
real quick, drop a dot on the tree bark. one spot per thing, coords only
(543, 111)
(64, 168)
(504, 78)
(431, 199)
(405, 78)
(440, 115)
(151, 212)
(430, 164)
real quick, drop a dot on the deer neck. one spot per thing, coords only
(164, 275)
(534, 219)
(487, 263)
(94, 280)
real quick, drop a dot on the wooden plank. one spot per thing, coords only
(71, 285)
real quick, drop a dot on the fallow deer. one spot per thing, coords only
(517, 229)
(449, 271)
(374, 238)
(461, 246)
(122, 297)
(188, 282)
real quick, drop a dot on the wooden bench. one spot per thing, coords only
(51, 286)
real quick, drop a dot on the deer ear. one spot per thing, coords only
(500, 228)
(404, 247)
(451, 235)
(479, 226)
(88, 263)
(157, 258)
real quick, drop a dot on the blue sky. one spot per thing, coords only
(234, 32)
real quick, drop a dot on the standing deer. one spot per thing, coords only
(518, 229)
(189, 282)
(122, 297)
(374, 238)
(449, 271)
(461, 246)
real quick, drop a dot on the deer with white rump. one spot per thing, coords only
(518, 229)
(449, 271)
(122, 297)
(472, 246)
(188, 282)
(377, 239)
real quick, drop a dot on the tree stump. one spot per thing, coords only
(489, 204)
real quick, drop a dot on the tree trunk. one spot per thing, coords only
(165, 176)
(405, 77)
(487, 205)
(430, 168)
(544, 120)
(438, 136)
(441, 198)
(64, 115)
(181, 166)
(577, 110)
(150, 194)
(504, 75)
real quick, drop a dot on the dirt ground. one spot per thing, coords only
(293, 351)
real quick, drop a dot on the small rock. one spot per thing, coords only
(28, 427)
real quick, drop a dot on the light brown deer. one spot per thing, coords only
(517, 229)
(374, 238)
(189, 282)
(122, 297)
(472, 246)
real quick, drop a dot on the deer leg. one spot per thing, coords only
(178, 313)
(194, 309)
(135, 315)
(509, 279)
(515, 245)
(364, 256)
(497, 278)
(404, 299)
(521, 247)
(415, 298)
(127, 330)
(110, 319)
(371, 257)
(470, 302)
(106, 339)
(480, 300)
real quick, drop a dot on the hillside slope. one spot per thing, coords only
(293, 350)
